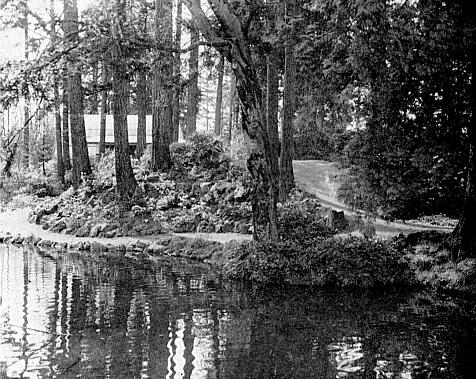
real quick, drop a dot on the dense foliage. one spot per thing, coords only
(333, 262)
(397, 75)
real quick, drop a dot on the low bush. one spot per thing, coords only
(301, 222)
(105, 172)
(353, 262)
(201, 151)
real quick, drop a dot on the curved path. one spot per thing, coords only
(319, 178)
(16, 222)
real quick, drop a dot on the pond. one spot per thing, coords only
(66, 315)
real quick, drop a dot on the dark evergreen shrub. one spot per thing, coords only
(352, 262)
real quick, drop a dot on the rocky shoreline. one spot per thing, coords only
(16, 230)
(196, 249)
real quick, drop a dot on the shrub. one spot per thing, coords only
(105, 174)
(352, 262)
(266, 262)
(202, 151)
(356, 262)
(300, 221)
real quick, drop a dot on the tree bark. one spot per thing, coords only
(219, 99)
(272, 95)
(141, 113)
(218, 104)
(81, 164)
(286, 182)
(177, 73)
(11, 151)
(94, 98)
(125, 180)
(193, 93)
(103, 110)
(57, 110)
(231, 110)
(162, 89)
(66, 149)
(26, 106)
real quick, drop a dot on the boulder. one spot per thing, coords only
(59, 226)
(36, 217)
(155, 248)
(83, 231)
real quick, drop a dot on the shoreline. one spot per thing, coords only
(212, 248)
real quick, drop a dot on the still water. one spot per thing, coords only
(69, 316)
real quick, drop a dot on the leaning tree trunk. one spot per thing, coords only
(237, 50)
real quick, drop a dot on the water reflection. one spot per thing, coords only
(66, 316)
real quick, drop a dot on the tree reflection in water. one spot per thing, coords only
(65, 315)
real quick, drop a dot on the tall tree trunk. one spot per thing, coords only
(231, 110)
(125, 180)
(94, 98)
(218, 105)
(193, 93)
(463, 238)
(141, 113)
(65, 99)
(104, 108)
(286, 182)
(81, 164)
(26, 106)
(162, 90)
(59, 134)
(57, 108)
(272, 103)
(177, 75)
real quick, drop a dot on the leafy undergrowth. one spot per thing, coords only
(354, 262)
(430, 260)
(419, 259)
(205, 191)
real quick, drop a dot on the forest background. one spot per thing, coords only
(384, 87)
